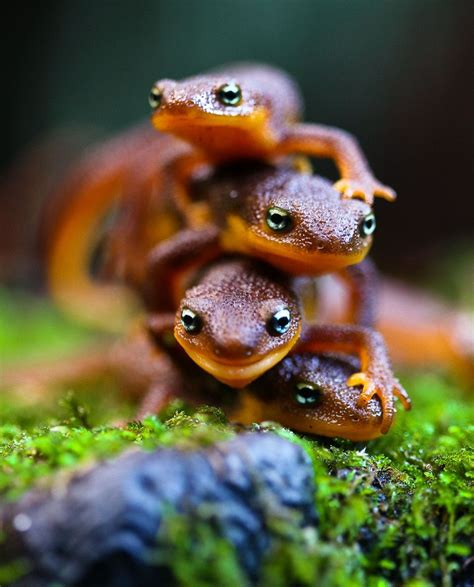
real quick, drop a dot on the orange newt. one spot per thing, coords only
(294, 221)
(241, 318)
(253, 111)
(305, 392)
(76, 212)
(264, 119)
(309, 393)
(236, 320)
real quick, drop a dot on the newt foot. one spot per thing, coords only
(365, 191)
(383, 385)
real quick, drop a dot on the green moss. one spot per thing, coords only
(398, 510)
(195, 554)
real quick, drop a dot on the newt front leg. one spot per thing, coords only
(361, 281)
(357, 180)
(375, 376)
(171, 260)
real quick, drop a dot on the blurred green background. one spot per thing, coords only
(396, 73)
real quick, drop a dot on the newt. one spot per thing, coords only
(236, 318)
(296, 222)
(240, 318)
(253, 111)
(309, 393)
(74, 219)
(305, 392)
(269, 96)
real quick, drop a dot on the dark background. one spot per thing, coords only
(396, 73)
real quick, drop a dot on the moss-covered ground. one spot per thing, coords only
(395, 511)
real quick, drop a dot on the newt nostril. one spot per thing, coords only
(233, 350)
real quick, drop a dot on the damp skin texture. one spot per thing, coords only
(132, 166)
(235, 301)
(324, 230)
(323, 235)
(263, 124)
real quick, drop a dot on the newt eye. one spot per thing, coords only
(191, 321)
(229, 94)
(280, 322)
(307, 393)
(155, 97)
(278, 219)
(368, 225)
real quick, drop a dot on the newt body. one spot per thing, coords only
(305, 392)
(297, 223)
(252, 111)
(241, 318)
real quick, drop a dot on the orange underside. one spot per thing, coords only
(237, 374)
(251, 410)
(222, 138)
(237, 237)
(355, 431)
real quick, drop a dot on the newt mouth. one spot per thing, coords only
(309, 424)
(283, 256)
(183, 118)
(300, 262)
(240, 373)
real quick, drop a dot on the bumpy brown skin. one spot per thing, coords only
(376, 375)
(324, 234)
(153, 377)
(335, 411)
(262, 125)
(235, 300)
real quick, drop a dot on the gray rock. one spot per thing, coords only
(101, 527)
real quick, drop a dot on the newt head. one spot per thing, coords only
(309, 393)
(297, 222)
(238, 322)
(221, 114)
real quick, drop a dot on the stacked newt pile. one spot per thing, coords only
(223, 232)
